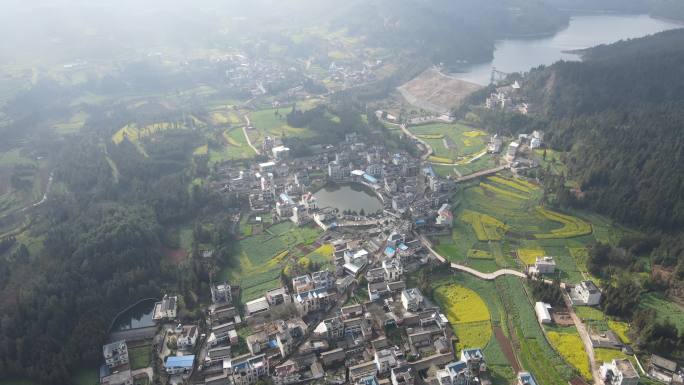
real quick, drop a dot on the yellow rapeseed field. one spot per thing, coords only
(529, 256)
(572, 226)
(570, 347)
(467, 313)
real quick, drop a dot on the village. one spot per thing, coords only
(359, 320)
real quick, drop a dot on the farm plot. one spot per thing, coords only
(529, 256)
(569, 346)
(322, 255)
(486, 228)
(534, 351)
(134, 133)
(572, 226)
(235, 147)
(451, 142)
(273, 122)
(260, 258)
(468, 314)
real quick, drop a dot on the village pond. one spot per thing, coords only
(349, 197)
(137, 316)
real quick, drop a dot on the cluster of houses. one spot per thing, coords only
(310, 330)
(281, 187)
(507, 98)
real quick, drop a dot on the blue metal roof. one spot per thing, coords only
(390, 250)
(370, 178)
(179, 361)
(456, 367)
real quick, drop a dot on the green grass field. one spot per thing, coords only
(73, 125)
(665, 309)
(15, 157)
(234, 147)
(452, 141)
(139, 356)
(267, 123)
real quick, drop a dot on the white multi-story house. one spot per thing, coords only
(586, 293)
(386, 359)
(412, 299)
(543, 265)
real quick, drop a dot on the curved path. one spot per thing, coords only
(428, 148)
(244, 132)
(469, 270)
(487, 276)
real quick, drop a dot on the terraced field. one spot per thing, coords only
(260, 258)
(503, 213)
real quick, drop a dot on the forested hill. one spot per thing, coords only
(620, 112)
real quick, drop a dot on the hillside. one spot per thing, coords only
(620, 115)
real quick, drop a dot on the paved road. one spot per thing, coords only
(487, 276)
(482, 173)
(244, 132)
(584, 335)
(466, 269)
(428, 148)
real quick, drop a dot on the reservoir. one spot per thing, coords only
(139, 316)
(348, 196)
(518, 55)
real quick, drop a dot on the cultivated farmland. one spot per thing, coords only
(260, 258)
(468, 314)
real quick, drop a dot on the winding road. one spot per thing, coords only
(244, 132)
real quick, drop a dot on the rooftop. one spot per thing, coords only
(179, 361)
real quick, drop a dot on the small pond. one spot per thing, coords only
(139, 316)
(349, 196)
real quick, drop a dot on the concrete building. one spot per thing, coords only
(246, 369)
(280, 152)
(543, 265)
(278, 296)
(257, 306)
(586, 294)
(115, 354)
(619, 372)
(412, 299)
(166, 308)
(221, 294)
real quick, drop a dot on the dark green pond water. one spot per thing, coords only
(348, 196)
